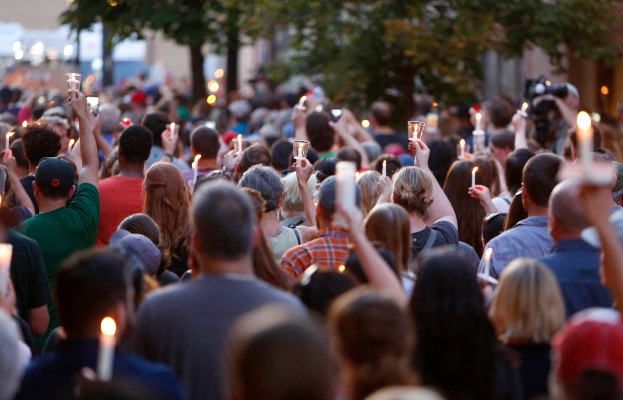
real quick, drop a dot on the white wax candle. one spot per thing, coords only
(462, 149)
(6, 144)
(478, 118)
(239, 144)
(474, 177)
(585, 142)
(384, 168)
(345, 184)
(488, 261)
(300, 155)
(301, 104)
(6, 251)
(196, 168)
(70, 146)
(172, 128)
(106, 353)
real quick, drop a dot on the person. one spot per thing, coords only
(292, 210)
(167, 202)
(280, 153)
(529, 237)
(122, 195)
(204, 142)
(138, 107)
(17, 149)
(380, 121)
(469, 212)
(404, 392)
(513, 171)
(61, 230)
(173, 324)
(330, 247)
(589, 359)
(527, 310)
(256, 154)
(12, 370)
(266, 181)
(392, 164)
(320, 133)
(239, 110)
(456, 351)
(39, 140)
(369, 195)
(111, 117)
(61, 126)
(415, 189)
(92, 286)
(318, 289)
(564, 116)
(574, 262)
(371, 335)
(164, 141)
(272, 351)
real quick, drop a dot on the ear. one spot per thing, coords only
(71, 192)
(193, 255)
(318, 211)
(35, 188)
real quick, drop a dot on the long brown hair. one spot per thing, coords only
(167, 202)
(469, 212)
(389, 223)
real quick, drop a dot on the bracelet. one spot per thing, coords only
(168, 155)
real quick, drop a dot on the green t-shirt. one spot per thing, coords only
(62, 232)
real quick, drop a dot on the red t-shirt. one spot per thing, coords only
(120, 197)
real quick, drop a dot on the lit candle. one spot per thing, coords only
(523, 112)
(474, 177)
(6, 251)
(172, 129)
(488, 261)
(301, 105)
(239, 144)
(462, 149)
(300, 155)
(196, 168)
(6, 144)
(341, 268)
(70, 146)
(384, 168)
(126, 122)
(107, 349)
(585, 141)
(24, 124)
(478, 118)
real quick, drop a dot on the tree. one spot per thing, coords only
(390, 49)
(191, 23)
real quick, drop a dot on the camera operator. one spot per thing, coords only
(563, 115)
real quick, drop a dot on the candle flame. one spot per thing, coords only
(584, 121)
(197, 157)
(341, 268)
(604, 90)
(365, 123)
(474, 170)
(8, 135)
(302, 100)
(478, 117)
(108, 326)
(524, 106)
(24, 124)
(488, 253)
(71, 142)
(462, 142)
(172, 126)
(434, 104)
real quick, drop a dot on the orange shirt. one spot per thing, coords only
(120, 197)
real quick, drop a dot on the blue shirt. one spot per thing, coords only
(156, 154)
(529, 238)
(54, 375)
(576, 266)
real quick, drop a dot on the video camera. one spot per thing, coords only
(544, 132)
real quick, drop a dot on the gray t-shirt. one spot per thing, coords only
(186, 327)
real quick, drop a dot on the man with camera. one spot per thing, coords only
(560, 103)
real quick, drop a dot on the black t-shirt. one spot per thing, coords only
(28, 274)
(386, 139)
(446, 234)
(27, 184)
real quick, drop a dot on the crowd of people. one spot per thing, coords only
(467, 268)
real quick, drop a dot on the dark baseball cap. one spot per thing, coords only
(326, 194)
(54, 173)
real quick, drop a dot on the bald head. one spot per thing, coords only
(565, 209)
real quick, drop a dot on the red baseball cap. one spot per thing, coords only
(138, 97)
(591, 340)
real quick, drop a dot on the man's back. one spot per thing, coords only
(186, 327)
(576, 266)
(529, 238)
(120, 197)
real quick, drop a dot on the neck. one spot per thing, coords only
(322, 223)
(560, 236)
(31, 168)
(383, 130)
(537, 211)
(132, 170)
(241, 266)
(270, 223)
(47, 205)
(208, 163)
(417, 223)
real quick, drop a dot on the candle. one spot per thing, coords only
(6, 251)
(345, 186)
(239, 140)
(196, 168)
(585, 141)
(6, 143)
(106, 350)
(474, 177)
(301, 105)
(478, 118)
(172, 129)
(488, 261)
(300, 155)
(24, 124)
(384, 168)
(70, 146)
(522, 112)
(462, 149)
(341, 268)
(126, 122)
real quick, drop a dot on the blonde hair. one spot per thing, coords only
(527, 304)
(292, 204)
(389, 223)
(369, 196)
(413, 189)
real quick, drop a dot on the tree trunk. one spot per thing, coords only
(199, 82)
(233, 44)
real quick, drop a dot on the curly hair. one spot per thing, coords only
(40, 140)
(167, 203)
(413, 189)
(135, 144)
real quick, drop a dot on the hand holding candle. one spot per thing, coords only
(105, 357)
(523, 112)
(474, 177)
(301, 104)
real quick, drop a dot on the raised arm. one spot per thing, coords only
(88, 147)
(341, 129)
(18, 189)
(441, 209)
(299, 120)
(302, 176)
(96, 125)
(519, 123)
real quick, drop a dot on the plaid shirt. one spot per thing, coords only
(329, 249)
